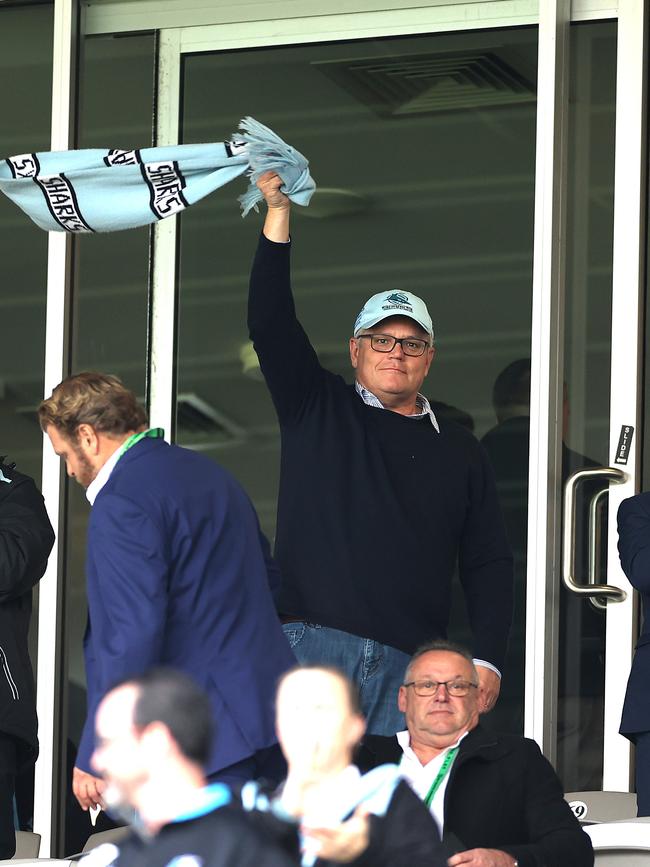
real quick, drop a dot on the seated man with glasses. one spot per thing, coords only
(497, 800)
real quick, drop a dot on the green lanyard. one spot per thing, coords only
(154, 433)
(442, 773)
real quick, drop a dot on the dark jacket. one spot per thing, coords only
(634, 550)
(177, 577)
(26, 539)
(502, 794)
(222, 838)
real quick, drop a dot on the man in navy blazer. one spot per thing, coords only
(634, 550)
(177, 575)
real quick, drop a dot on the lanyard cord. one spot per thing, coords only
(442, 773)
(153, 432)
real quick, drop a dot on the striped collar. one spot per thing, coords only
(422, 404)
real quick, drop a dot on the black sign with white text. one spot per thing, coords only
(624, 444)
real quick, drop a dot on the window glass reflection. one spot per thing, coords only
(26, 62)
(110, 321)
(426, 182)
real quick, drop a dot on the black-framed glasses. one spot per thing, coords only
(386, 343)
(455, 688)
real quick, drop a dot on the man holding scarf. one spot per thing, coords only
(379, 500)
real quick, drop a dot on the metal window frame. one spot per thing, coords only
(547, 353)
(67, 23)
(213, 22)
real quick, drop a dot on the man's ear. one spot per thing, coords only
(401, 699)
(87, 438)
(431, 351)
(354, 352)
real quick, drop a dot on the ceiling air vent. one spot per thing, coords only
(200, 425)
(426, 83)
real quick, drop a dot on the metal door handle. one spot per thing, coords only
(595, 511)
(592, 589)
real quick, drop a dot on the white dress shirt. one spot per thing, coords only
(102, 476)
(420, 777)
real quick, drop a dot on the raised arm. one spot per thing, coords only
(286, 356)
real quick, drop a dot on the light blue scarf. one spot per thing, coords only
(106, 190)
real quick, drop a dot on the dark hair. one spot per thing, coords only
(97, 399)
(351, 689)
(439, 644)
(512, 388)
(174, 699)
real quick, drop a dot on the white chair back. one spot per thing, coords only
(621, 844)
(591, 807)
(28, 844)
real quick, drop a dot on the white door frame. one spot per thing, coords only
(628, 290)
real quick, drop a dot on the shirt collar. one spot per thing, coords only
(102, 477)
(404, 740)
(422, 403)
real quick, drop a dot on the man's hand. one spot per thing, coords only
(87, 789)
(269, 186)
(489, 684)
(276, 225)
(482, 857)
(344, 843)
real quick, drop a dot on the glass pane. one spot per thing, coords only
(26, 62)
(587, 376)
(426, 181)
(109, 329)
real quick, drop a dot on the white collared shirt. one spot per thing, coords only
(102, 476)
(420, 777)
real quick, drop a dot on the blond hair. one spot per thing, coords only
(97, 399)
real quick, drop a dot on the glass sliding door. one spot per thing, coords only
(109, 333)
(603, 368)
(587, 356)
(424, 151)
(25, 61)
(428, 186)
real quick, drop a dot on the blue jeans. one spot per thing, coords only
(377, 670)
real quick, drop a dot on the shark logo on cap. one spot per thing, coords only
(398, 298)
(394, 302)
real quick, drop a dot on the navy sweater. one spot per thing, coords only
(375, 509)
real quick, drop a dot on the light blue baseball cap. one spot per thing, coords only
(393, 303)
